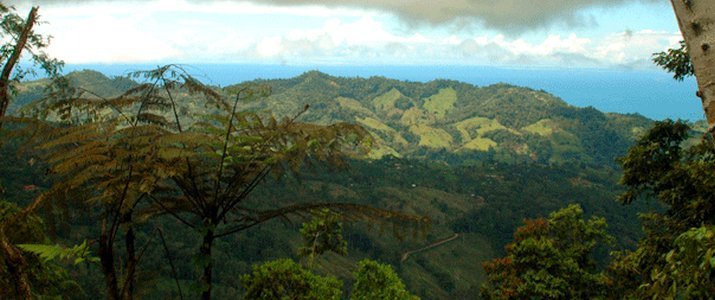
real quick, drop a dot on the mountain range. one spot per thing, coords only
(409, 119)
(476, 160)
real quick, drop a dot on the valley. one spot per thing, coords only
(476, 161)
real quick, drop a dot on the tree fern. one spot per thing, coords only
(77, 254)
(136, 157)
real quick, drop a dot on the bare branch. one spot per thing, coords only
(347, 210)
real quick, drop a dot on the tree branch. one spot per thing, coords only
(349, 210)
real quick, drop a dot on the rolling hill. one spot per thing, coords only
(476, 160)
(410, 119)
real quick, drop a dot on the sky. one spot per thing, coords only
(507, 33)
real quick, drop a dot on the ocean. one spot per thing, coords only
(652, 93)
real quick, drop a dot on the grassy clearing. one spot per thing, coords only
(432, 137)
(544, 127)
(355, 106)
(481, 144)
(416, 115)
(442, 102)
(384, 128)
(478, 126)
(380, 149)
(387, 100)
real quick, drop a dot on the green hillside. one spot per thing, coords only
(458, 117)
(91, 81)
(421, 120)
(476, 160)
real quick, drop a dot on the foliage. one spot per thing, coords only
(660, 166)
(689, 266)
(284, 279)
(19, 37)
(78, 253)
(550, 258)
(24, 230)
(374, 280)
(47, 279)
(138, 156)
(323, 233)
(475, 193)
(676, 61)
(647, 163)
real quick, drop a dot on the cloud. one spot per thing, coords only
(338, 42)
(241, 32)
(627, 49)
(630, 48)
(508, 16)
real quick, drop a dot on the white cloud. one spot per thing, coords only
(618, 49)
(225, 31)
(628, 47)
(104, 37)
(513, 16)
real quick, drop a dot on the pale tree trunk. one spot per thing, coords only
(13, 59)
(696, 19)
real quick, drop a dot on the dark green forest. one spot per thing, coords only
(480, 195)
(155, 185)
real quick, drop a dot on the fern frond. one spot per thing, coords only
(74, 134)
(78, 253)
(150, 118)
(89, 148)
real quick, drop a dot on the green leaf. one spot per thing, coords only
(78, 254)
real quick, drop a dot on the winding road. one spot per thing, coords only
(407, 254)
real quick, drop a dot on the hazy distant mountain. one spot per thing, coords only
(90, 80)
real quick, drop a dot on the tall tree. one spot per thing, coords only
(550, 258)
(695, 19)
(285, 279)
(138, 156)
(102, 153)
(21, 39)
(223, 159)
(662, 166)
(374, 280)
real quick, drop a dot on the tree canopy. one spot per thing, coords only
(550, 258)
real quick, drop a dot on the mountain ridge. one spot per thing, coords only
(456, 116)
(415, 119)
(508, 153)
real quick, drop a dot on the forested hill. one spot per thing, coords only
(437, 119)
(476, 160)
(411, 119)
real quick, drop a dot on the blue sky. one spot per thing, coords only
(510, 33)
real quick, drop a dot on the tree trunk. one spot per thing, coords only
(17, 267)
(205, 255)
(12, 61)
(131, 265)
(696, 19)
(106, 258)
